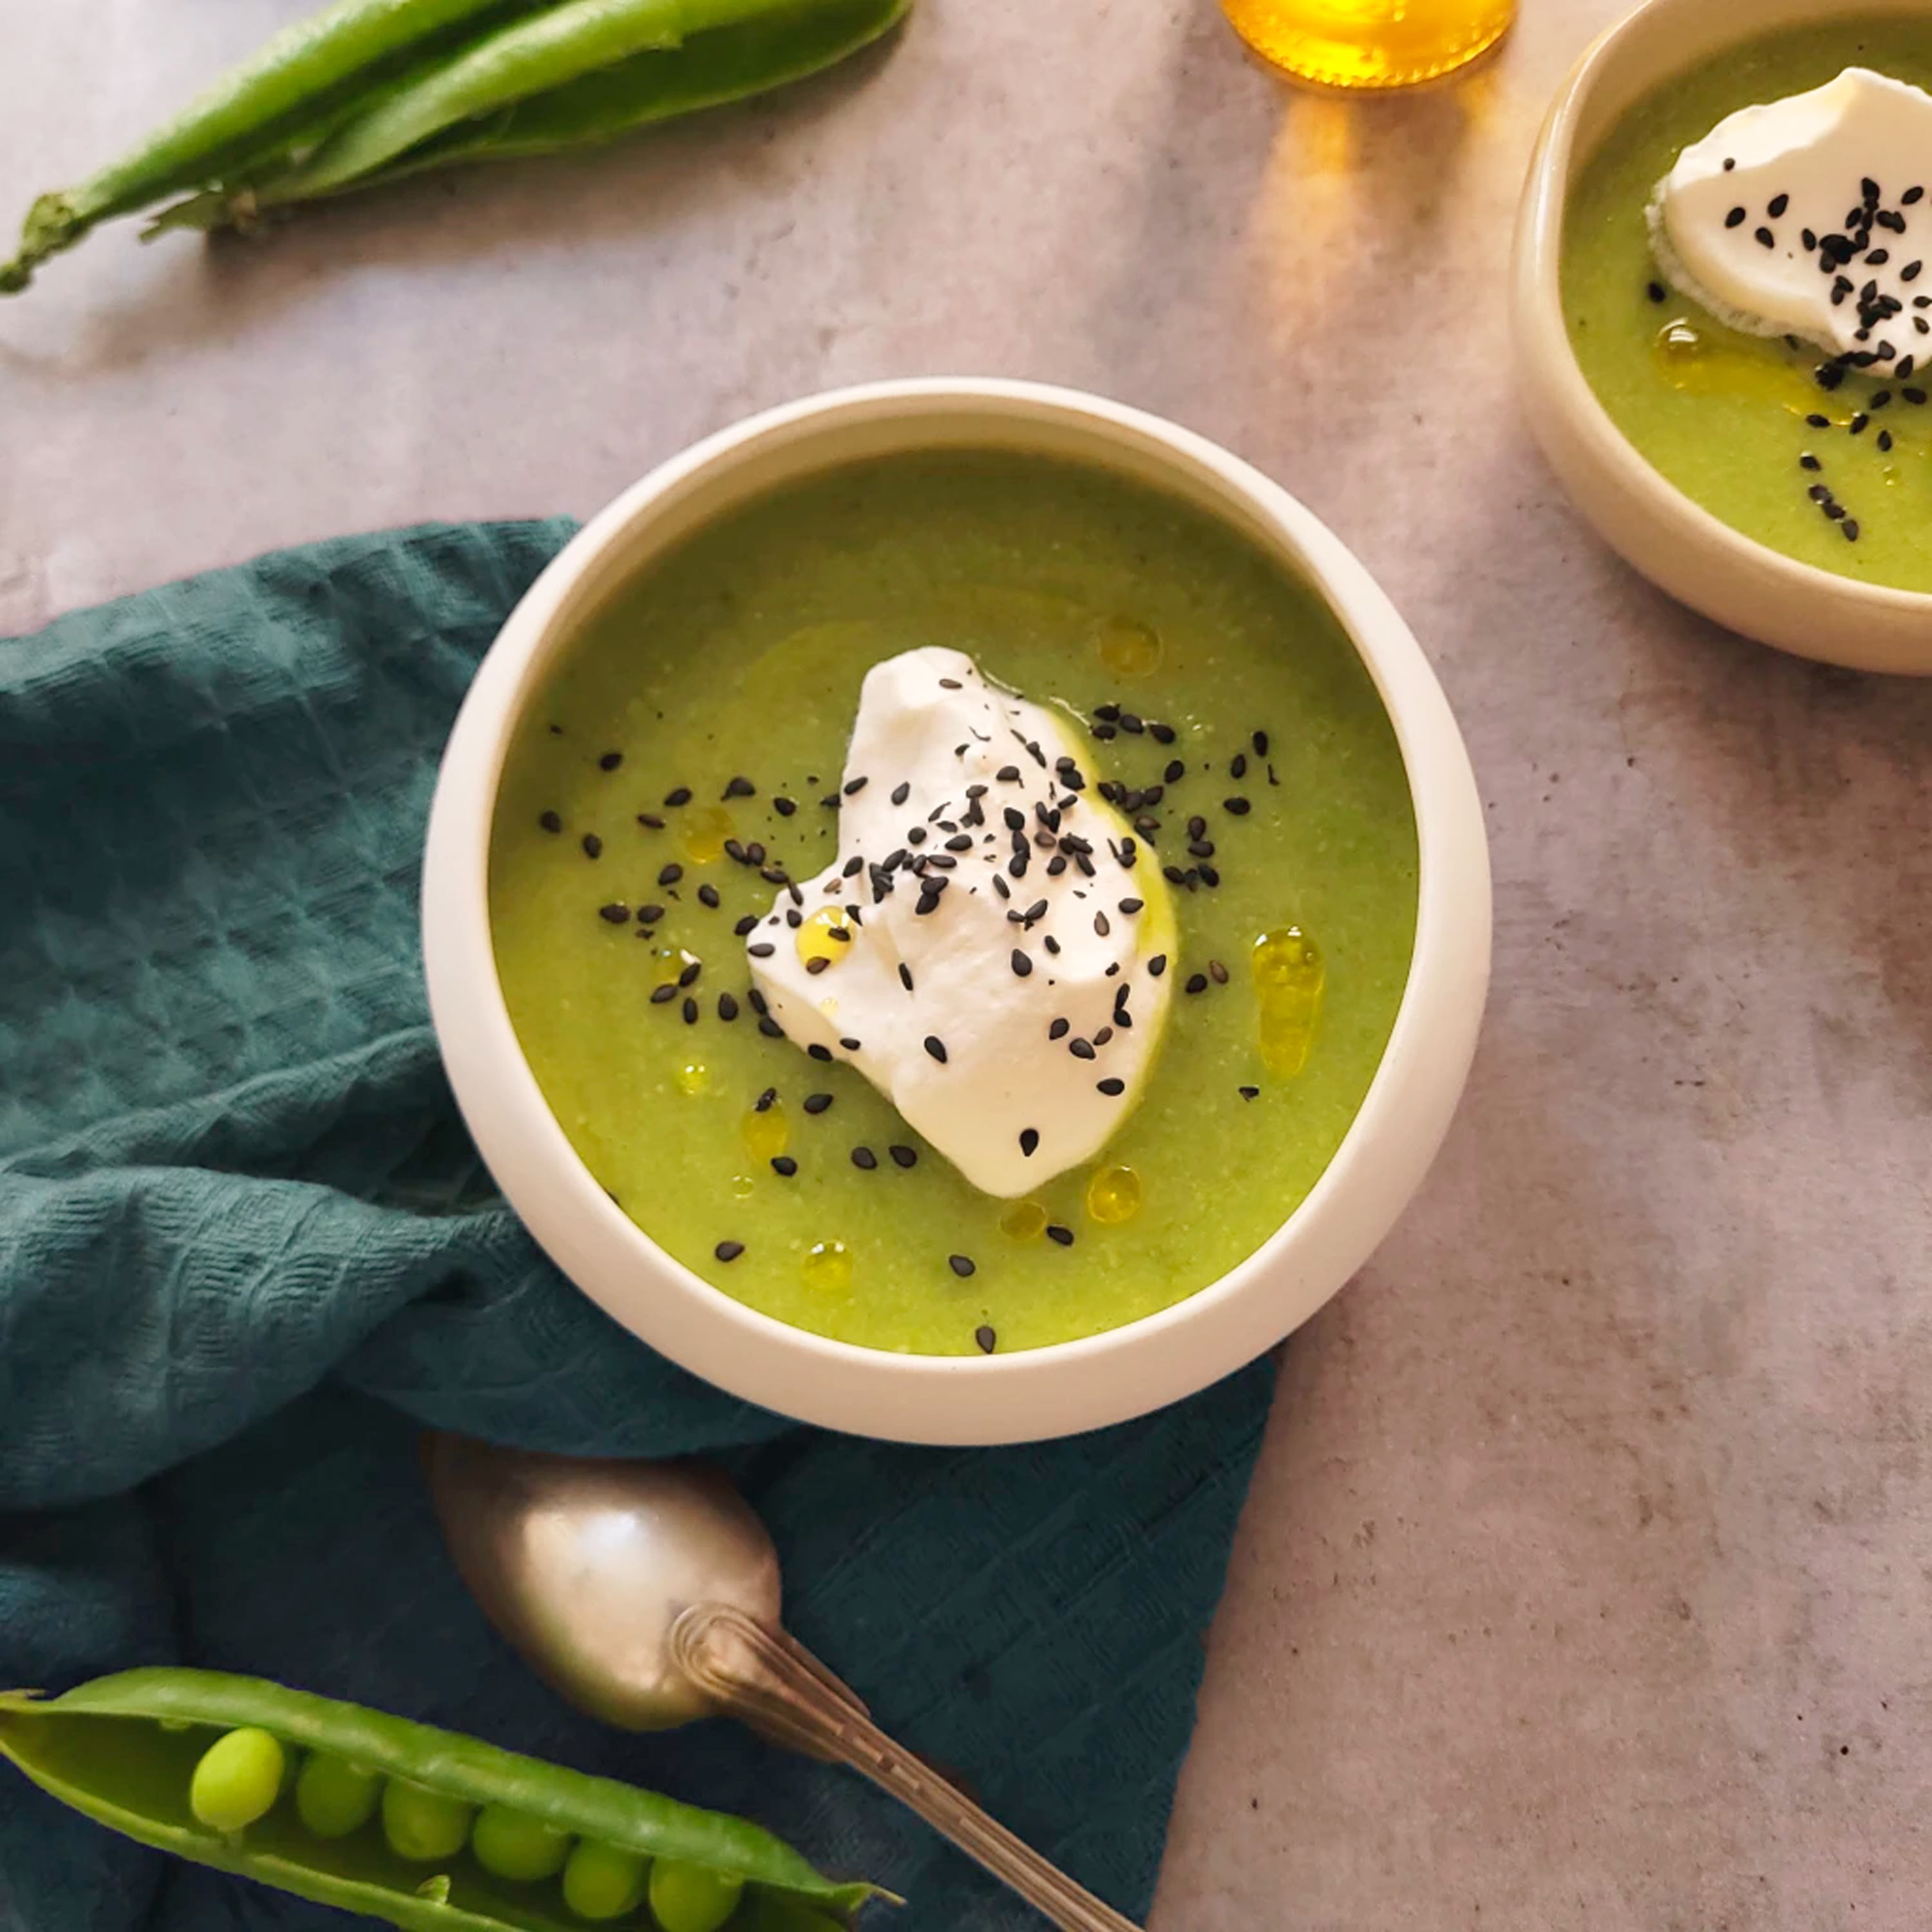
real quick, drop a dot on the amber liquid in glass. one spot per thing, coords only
(1369, 43)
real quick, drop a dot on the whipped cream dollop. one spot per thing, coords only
(990, 948)
(1808, 217)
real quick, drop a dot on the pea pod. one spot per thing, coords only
(144, 1752)
(295, 82)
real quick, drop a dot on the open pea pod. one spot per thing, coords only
(137, 1752)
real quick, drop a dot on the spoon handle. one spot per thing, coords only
(774, 1685)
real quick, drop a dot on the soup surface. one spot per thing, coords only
(711, 702)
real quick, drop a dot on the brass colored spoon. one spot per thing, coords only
(647, 1595)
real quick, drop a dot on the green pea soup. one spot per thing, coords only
(691, 740)
(1725, 416)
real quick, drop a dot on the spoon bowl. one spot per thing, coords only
(586, 1564)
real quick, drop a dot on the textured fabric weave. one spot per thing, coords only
(246, 1251)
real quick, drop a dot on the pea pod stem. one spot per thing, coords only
(286, 85)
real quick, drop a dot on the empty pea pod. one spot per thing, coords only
(421, 1827)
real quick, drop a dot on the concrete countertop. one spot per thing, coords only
(1585, 1581)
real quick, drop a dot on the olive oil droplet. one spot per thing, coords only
(1114, 1195)
(701, 835)
(1708, 362)
(693, 1077)
(1024, 1221)
(741, 1185)
(1128, 649)
(828, 1268)
(766, 1136)
(827, 935)
(1289, 975)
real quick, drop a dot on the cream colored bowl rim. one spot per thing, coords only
(1027, 1394)
(1552, 171)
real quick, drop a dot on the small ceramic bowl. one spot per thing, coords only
(1677, 544)
(1002, 1398)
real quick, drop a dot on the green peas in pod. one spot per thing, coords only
(430, 1830)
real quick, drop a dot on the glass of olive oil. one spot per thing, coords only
(1369, 43)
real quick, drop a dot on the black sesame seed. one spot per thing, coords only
(1911, 197)
(817, 1103)
(1850, 527)
(1008, 775)
(1655, 291)
(851, 1044)
(1022, 964)
(905, 976)
(1859, 423)
(1808, 461)
(961, 1265)
(741, 787)
(1063, 1236)
(1029, 1141)
(762, 949)
(550, 822)
(1884, 439)
(680, 797)
(610, 761)
(904, 1157)
(1101, 925)
(901, 792)
(690, 1011)
(1110, 1086)
(670, 875)
(762, 1104)
(1239, 807)
(770, 1028)
(1053, 945)
(729, 1251)
(1130, 907)
(1736, 218)
(817, 1050)
(1157, 965)
(935, 1046)
(1208, 875)
(1819, 422)
(727, 1006)
(618, 915)
(1248, 1092)
(1819, 493)
(864, 1158)
(1238, 766)
(986, 1339)
(649, 915)
(815, 967)
(1175, 771)
(853, 787)
(1081, 1049)
(783, 1164)
(784, 807)
(660, 995)
(708, 895)
(1197, 983)
(1059, 1029)
(1161, 734)
(650, 821)
(593, 846)
(1779, 204)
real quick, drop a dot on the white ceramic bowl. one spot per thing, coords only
(1675, 542)
(1001, 1398)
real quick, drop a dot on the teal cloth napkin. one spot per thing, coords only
(247, 1251)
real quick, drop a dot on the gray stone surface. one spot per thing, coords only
(1584, 1583)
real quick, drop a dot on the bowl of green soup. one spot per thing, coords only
(1725, 340)
(957, 911)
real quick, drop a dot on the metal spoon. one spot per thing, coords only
(647, 1595)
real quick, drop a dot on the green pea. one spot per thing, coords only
(692, 1898)
(601, 1882)
(238, 1780)
(512, 1844)
(333, 1797)
(423, 1825)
